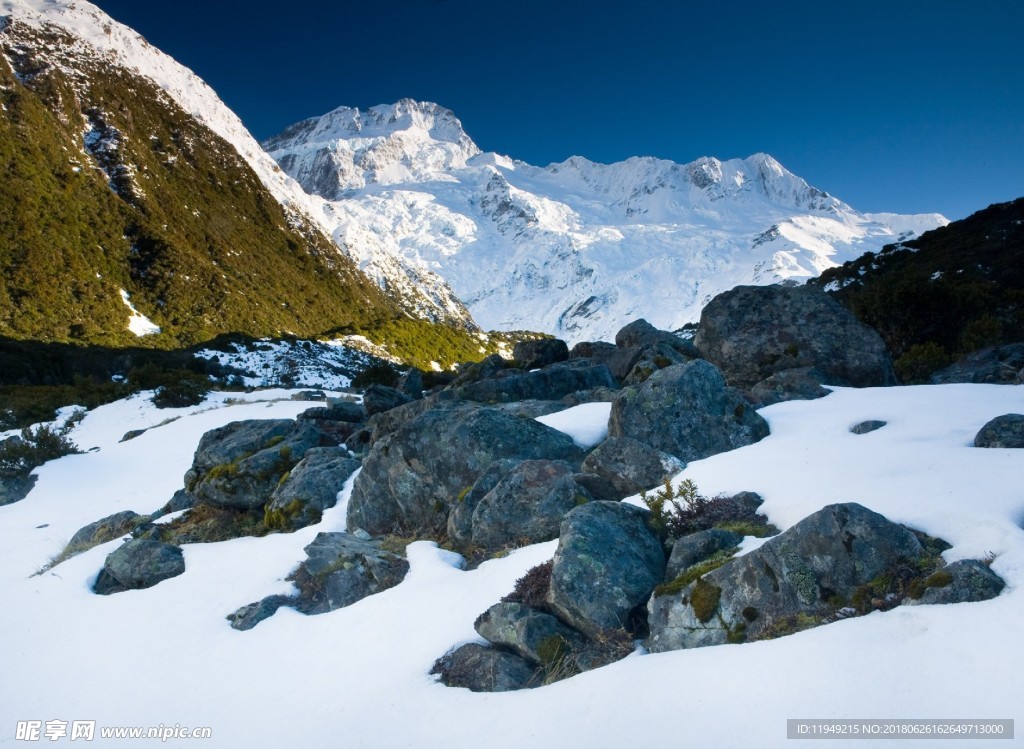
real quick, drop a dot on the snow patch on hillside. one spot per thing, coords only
(138, 323)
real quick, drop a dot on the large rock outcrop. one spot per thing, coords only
(808, 571)
(239, 465)
(687, 411)
(752, 332)
(413, 477)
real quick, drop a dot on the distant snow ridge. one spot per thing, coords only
(577, 248)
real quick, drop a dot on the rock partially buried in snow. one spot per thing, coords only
(965, 581)
(607, 562)
(1003, 431)
(311, 487)
(789, 583)
(103, 530)
(804, 383)
(341, 569)
(531, 634)
(865, 427)
(482, 669)
(687, 411)
(139, 564)
(752, 332)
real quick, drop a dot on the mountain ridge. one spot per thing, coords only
(572, 248)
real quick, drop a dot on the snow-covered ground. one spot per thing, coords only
(358, 677)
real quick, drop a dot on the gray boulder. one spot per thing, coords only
(540, 353)
(529, 633)
(380, 398)
(240, 464)
(482, 370)
(383, 424)
(338, 410)
(139, 564)
(182, 500)
(752, 332)
(630, 466)
(999, 365)
(651, 359)
(960, 582)
(413, 477)
(341, 569)
(1002, 431)
(804, 383)
(105, 529)
(687, 411)
(460, 519)
(527, 505)
(551, 383)
(697, 547)
(802, 572)
(591, 349)
(309, 488)
(482, 669)
(641, 333)
(15, 488)
(607, 562)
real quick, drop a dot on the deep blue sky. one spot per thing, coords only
(903, 105)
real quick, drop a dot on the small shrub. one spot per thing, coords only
(20, 455)
(704, 599)
(682, 510)
(208, 524)
(940, 579)
(920, 362)
(532, 588)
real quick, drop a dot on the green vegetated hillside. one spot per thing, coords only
(938, 297)
(107, 184)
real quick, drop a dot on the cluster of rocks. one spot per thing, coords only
(610, 581)
(467, 464)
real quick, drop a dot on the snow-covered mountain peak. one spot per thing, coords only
(350, 148)
(575, 248)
